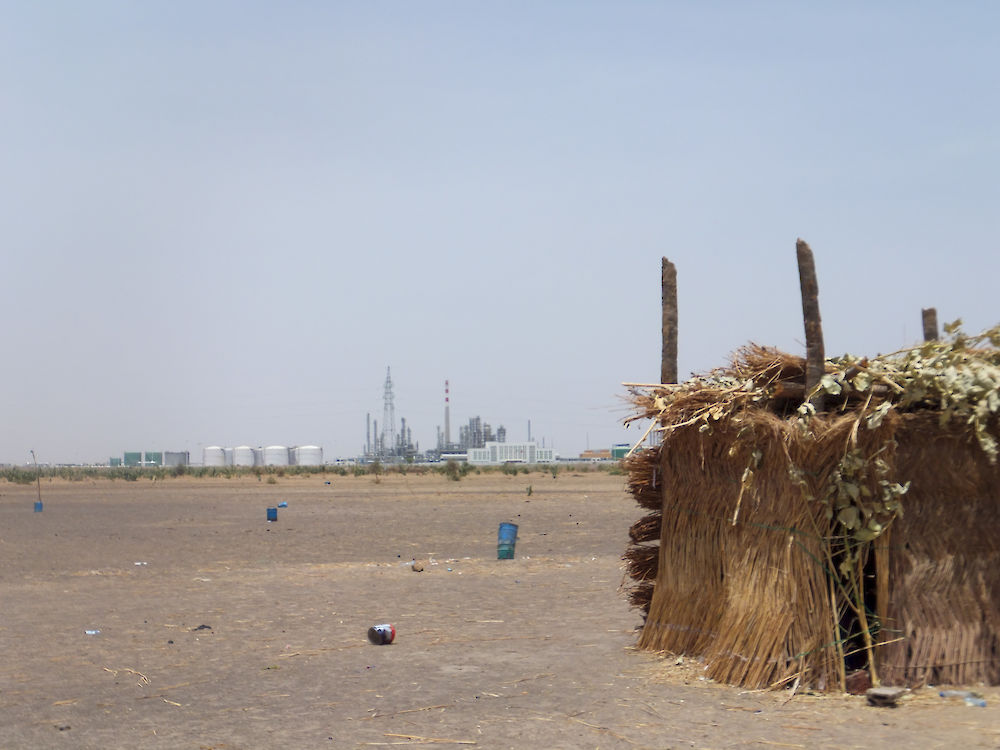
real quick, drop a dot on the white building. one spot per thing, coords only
(502, 453)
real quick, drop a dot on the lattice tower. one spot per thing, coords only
(388, 418)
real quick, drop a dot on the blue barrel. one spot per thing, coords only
(506, 539)
(272, 514)
(38, 506)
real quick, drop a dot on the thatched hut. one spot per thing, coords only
(791, 545)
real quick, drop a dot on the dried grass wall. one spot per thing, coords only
(743, 571)
(943, 562)
(752, 598)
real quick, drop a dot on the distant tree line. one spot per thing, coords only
(452, 469)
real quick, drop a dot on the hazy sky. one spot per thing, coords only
(222, 221)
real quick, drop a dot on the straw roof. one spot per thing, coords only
(958, 376)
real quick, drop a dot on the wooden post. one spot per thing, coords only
(668, 362)
(929, 316)
(815, 355)
(38, 476)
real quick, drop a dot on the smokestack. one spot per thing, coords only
(447, 417)
(368, 433)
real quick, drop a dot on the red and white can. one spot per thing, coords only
(382, 635)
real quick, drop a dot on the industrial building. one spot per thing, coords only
(152, 458)
(478, 433)
(620, 450)
(502, 453)
(615, 453)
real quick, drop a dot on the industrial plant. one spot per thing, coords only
(388, 445)
(477, 441)
(387, 441)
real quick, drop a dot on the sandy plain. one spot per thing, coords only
(221, 630)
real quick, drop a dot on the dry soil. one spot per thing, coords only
(218, 629)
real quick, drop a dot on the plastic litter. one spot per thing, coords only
(970, 697)
(92, 632)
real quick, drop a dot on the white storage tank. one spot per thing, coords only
(243, 456)
(308, 455)
(213, 455)
(275, 455)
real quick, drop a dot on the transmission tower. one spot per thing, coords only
(388, 418)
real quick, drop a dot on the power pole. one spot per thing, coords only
(388, 418)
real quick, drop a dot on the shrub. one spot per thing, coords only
(18, 476)
(453, 470)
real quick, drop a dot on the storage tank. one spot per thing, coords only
(213, 455)
(243, 456)
(275, 455)
(308, 455)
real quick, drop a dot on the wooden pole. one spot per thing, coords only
(38, 476)
(815, 355)
(668, 283)
(929, 316)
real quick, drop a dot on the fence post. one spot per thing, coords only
(815, 355)
(929, 317)
(668, 362)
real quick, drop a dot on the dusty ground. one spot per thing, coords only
(528, 653)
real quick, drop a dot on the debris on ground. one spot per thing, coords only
(858, 682)
(885, 696)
